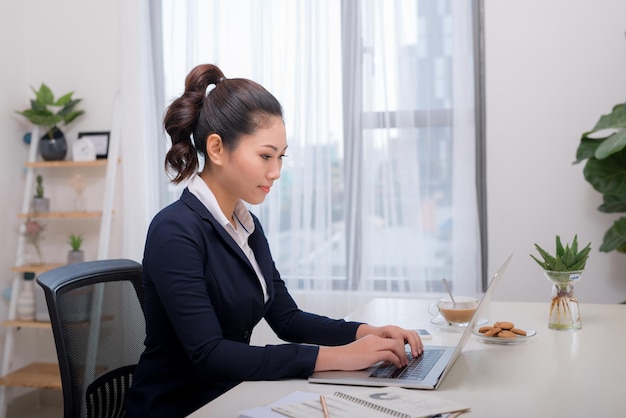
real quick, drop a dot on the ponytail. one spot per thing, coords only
(235, 107)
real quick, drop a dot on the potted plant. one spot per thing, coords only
(563, 269)
(604, 148)
(76, 254)
(41, 204)
(33, 231)
(47, 112)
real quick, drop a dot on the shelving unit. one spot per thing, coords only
(43, 375)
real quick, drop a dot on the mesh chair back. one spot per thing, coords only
(98, 325)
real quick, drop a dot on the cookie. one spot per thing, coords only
(507, 334)
(501, 329)
(492, 332)
(518, 331)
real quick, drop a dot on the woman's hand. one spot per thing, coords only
(405, 336)
(361, 354)
(373, 344)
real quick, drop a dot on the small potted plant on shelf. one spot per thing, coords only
(48, 113)
(41, 204)
(75, 255)
(563, 269)
(33, 231)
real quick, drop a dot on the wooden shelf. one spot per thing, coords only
(55, 164)
(35, 375)
(36, 268)
(16, 323)
(62, 215)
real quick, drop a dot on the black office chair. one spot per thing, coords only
(97, 320)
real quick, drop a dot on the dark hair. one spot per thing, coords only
(234, 107)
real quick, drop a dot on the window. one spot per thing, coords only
(379, 191)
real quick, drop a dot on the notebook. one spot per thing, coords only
(372, 403)
(426, 371)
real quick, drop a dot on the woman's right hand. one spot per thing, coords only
(361, 354)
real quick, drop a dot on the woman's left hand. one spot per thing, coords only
(391, 331)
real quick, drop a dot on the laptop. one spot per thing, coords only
(424, 372)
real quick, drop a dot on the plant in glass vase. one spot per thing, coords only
(563, 269)
(33, 230)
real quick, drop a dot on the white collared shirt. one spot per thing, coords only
(199, 188)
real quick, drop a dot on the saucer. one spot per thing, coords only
(520, 339)
(444, 325)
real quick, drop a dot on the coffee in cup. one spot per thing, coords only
(457, 313)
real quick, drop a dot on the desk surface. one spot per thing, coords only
(558, 373)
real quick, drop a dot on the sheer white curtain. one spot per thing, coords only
(378, 191)
(139, 128)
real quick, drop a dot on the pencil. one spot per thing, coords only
(324, 407)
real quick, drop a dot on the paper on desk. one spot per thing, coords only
(266, 411)
(374, 403)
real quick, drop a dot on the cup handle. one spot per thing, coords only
(433, 310)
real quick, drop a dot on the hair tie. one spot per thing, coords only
(220, 80)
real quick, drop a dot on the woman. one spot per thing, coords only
(209, 277)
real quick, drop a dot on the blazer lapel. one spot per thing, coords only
(260, 247)
(194, 204)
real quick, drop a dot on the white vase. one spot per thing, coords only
(74, 257)
(25, 307)
(41, 204)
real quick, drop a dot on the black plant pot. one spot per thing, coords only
(53, 145)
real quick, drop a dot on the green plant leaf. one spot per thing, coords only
(615, 236)
(41, 117)
(613, 203)
(587, 148)
(611, 145)
(607, 176)
(615, 119)
(65, 99)
(559, 247)
(68, 107)
(44, 95)
(541, 263)
(71, 116)
(549, 261)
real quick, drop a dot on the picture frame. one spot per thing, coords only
(100, 141)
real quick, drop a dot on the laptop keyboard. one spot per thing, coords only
(417, 368)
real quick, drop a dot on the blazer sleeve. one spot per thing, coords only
(292, 324)
(283, 315)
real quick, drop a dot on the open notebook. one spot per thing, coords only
(373, 403)
(424, 372)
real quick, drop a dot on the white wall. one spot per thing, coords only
(552, 68)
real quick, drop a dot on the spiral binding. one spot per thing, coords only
(371, 405)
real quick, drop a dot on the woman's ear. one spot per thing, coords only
(215, 149)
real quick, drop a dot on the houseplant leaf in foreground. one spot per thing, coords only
(615, 237)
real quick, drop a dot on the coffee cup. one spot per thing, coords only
(457, 313)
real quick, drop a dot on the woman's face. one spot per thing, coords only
(252, 167)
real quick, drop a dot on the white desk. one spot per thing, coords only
(557, 374)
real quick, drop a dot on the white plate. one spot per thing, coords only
(520, 339)
(444, 325)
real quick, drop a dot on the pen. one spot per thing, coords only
(324, 407)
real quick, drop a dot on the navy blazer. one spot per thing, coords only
(202, 298)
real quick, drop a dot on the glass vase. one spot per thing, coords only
(25, 306)
(564, 309)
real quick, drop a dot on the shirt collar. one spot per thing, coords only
(199, 188)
